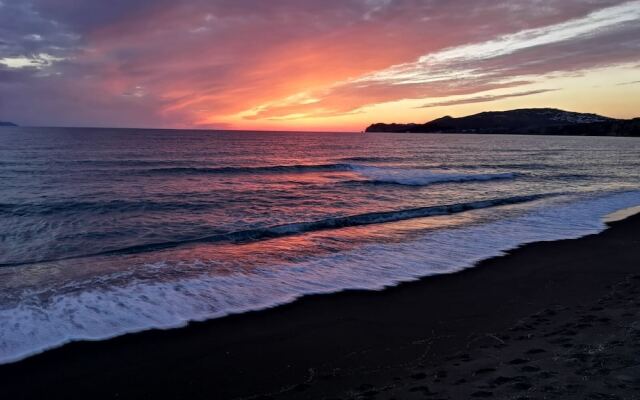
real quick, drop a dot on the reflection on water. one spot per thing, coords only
(105, 232)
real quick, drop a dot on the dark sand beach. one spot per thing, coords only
(548, 320)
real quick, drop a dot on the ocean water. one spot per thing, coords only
(110, 231)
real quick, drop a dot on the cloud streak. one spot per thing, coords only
(485, 98)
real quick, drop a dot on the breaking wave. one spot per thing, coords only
(108, 307)
(323, 224)
(375, 174)
(282, 169)
(422, 177)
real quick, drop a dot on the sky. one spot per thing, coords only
(330, 65)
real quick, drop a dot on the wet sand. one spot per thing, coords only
(548, 320)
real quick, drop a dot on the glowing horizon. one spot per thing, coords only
(300, 65)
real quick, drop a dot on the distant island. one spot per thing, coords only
(527, 121)
(6, 123)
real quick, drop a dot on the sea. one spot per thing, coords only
(105, 232)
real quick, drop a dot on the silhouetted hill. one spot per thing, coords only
(534, 121)
(6, 123)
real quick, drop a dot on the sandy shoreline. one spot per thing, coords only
(409, 341)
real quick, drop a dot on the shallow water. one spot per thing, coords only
(104, 232)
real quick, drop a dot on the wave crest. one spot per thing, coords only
(374, 174)
(296, 168)
(322, 224)
(421, 177)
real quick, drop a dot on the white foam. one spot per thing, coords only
(420, 177)
(622, 214)
(37, 322)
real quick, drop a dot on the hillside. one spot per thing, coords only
(541, 121)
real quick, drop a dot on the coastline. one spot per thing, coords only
(323, 345)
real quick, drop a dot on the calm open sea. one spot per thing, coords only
(109, 231)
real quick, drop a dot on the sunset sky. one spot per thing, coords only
(335, 65)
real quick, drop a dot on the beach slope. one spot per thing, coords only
(551, 319)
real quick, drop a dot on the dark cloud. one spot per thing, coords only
(25, 31)
(629, 83)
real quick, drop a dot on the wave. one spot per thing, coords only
(404, 177)
(304, 227)
(376, 174)
(104, 307)
(297, 168)
(510, 166)
(106, 163)
(373, 159)
(373, 218)
(42, 209)
(421, 177)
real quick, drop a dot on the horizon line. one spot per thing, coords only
(179, 129)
